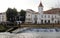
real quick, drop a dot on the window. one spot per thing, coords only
(52, 19)
(35, 18)
(2, 18)
(41, 21)
(28, 15)
(45, 16)
(55, 21)
(58, 21)
(48, 16)
(45, 21)
(42, 16)
(48, 21)
(55, 16)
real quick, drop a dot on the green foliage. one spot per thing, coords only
(11, 13)
(2, 28)
(15, 12)
(22, 14)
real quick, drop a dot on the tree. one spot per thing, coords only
(15, 12)
(22, 15)
(11, 13)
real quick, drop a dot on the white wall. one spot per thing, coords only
(3, 17)
(29, 16)
(40, 10)
(54, 18)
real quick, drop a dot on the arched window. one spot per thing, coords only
(48, 21)
(41, 21)
(45, 21)
(55, 21)
(35, 19)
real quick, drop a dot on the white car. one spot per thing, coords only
(19, 22)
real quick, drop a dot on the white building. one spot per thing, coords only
(2, 17)
(45, 17)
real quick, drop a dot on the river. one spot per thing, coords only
(32, 33)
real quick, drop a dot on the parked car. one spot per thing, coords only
(18, 22)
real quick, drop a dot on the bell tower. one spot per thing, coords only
(40, 8)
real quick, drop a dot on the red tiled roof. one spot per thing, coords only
(52, 11)
(40, 5)
(31, 10)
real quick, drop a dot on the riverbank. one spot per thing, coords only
(41, 25)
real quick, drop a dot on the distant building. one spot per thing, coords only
(43, 17)
(2, 17)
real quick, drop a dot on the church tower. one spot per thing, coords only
(40, 11)
(40, 8)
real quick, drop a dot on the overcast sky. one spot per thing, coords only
(28, 4)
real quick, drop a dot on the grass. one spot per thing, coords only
(3, 28)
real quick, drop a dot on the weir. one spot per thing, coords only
(32, 33)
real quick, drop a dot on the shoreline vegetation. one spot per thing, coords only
(4, 28)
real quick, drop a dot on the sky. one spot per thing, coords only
(28, 4)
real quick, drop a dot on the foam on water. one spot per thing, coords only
(32, 33)
(38, 30)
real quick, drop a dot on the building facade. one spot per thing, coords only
(2, 17)
(43, 17)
